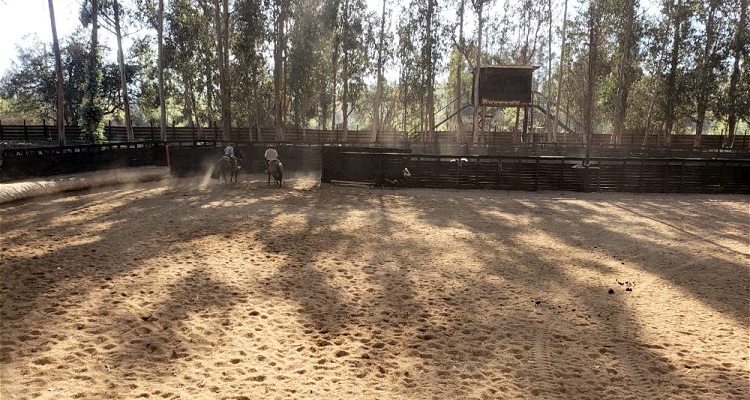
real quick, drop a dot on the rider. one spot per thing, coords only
(271, 155)
(229, 152)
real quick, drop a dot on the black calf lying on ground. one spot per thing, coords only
(385, 179)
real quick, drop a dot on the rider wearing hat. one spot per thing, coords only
(270, 155)
(229, 152)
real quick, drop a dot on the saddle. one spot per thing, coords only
(231, 161)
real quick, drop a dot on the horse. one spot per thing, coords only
(384, 178)
(276, 170)
(225, 166)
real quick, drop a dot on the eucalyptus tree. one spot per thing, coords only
(382, 56)
(561, 72)
(708, 69)
(91, 113)
(527, 38)
(305, 61)
(249, 34)
(355, 39)
(160, 72)
(153, 13)
(593, 14)
(281, 11)
(330, 25)
(677, 15)
(187, 32)
(409, 73)
(429, 60)
(420, 52)
(457, 62)
(738, 92)
(109, 17)
(221, 26)
(60, 100)
(116, 10)
(627, 37)
(479, 6)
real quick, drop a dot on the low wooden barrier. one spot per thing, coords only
(363, 164)
(642, 175)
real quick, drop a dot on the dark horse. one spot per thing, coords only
(276, 170)
(225, 166)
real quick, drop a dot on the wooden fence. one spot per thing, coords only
(184, 158)
(642, 175)
(41, 134)
(362, 164)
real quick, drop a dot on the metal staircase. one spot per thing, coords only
(566, 121)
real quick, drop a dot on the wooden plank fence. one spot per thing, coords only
(667, 175)
(41, 134)
(362, 164)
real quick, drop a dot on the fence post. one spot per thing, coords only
(25, 132)
(174, 134)
(151, 123)
(44, 127)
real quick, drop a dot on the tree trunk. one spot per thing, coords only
(623, 75)
(705, 70)
(561, 73)
(379, 85)
(345, 76)
(588, 122)
(549, 74)
(458, 93)
(160, 71)
(475, 132)
(123, 76)
(92, 84)
(60, 122)
(334, 69)
(676, 15)
(222, 50)
(278, 72)
(430, 74)
(734, 106)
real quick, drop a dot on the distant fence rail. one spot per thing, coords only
(115, 134)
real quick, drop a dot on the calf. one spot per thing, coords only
(392, 180)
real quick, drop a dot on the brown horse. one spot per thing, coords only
(275, 170)
(226, 166)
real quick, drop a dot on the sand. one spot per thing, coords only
(198, 290)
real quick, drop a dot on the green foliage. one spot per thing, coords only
(419, 51)
(91, 122)
(29, 87)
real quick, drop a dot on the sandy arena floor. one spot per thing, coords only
(178, 289)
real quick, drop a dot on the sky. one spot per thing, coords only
(19, 18)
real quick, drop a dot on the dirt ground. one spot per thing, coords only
(198, 290)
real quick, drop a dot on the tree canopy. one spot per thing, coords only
(660, 66)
